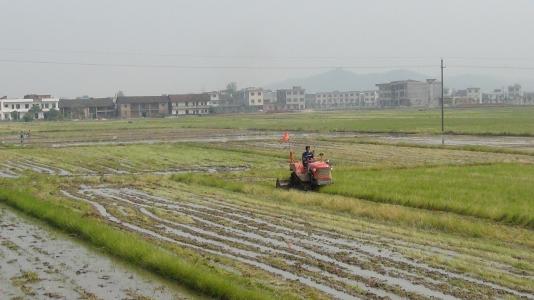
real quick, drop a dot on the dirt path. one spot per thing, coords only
(36, 263)
(343, 266)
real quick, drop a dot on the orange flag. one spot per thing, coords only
(285, 137)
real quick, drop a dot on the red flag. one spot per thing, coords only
(285, 137)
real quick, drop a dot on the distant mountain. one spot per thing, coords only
(343, 80)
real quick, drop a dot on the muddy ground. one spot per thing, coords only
(343, 265)
(159, 135)
(300, 247)
(37, 262)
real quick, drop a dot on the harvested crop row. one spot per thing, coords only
(287, 246)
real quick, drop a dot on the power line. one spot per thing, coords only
(492, 67)
(191, 55)
(261, 67)
(195, 55)
(168, 66)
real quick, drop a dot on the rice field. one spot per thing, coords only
(198, 205)
(483, 121)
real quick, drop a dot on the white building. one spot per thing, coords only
(475, 94)
(17, 108)
(498, 96)
(469, 96)
(292, 99)
(189, 104)
(369, 98)
(336, 99)
(215, 99)
(514, 94)
(409, 93)
(252, 97)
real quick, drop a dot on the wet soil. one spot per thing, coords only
(37, 262)
(15, 168)
(293, 247)
(173, 135)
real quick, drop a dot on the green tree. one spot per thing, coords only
(231, 88)
(52, 115)
(28, 117)
(15, 115)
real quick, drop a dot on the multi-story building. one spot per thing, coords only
(90, 108)
(528, 98)
(348, 99)
(336, 99)
(309, 100)
(17, 108)
(514, 94)
(190, 104)
(270, 102)
(251, 97)
(14, 109)
(468, 96)
(215, 99)
(292, 99)
(498, 96)
(142, 106)
(475, 94)
(409, 93)
(368, 98)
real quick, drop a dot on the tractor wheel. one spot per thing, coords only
(294, 180)
(278, 183)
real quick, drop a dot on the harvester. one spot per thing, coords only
(317, 173)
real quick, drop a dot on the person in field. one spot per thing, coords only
(307, 156)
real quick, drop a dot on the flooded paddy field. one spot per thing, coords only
(36, 262)
(208, 196)
(345, 265)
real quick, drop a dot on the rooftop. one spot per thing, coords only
(189, 97)
(142, 99)
(91, 102)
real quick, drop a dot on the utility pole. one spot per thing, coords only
(442, 104)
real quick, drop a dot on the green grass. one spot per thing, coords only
(138, 251)
(489, 120)
(393, 215)
(500, 192)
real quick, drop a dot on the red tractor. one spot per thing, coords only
(317, 173)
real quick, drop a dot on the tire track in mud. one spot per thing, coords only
(286, 275)
(15, 168)
(341, 266)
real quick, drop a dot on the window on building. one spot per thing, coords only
(46, 105)
(17, 106)
(26, 106)
(6, 105)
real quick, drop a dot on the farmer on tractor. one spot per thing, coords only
(307, 157)
(308, 173)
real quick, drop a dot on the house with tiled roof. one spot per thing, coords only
(142, 106)
(91, 108)
(189, 104)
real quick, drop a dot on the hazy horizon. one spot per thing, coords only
(73, 48)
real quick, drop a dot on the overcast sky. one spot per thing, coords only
(155, 47)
